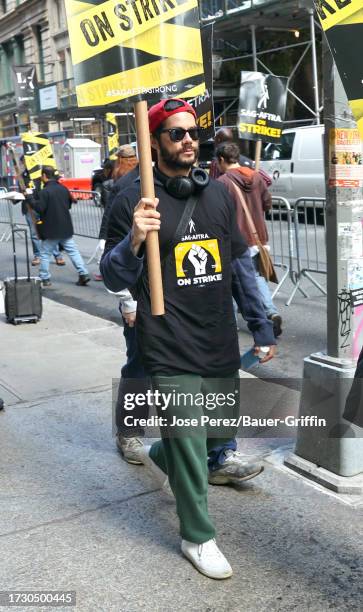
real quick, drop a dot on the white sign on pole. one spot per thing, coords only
(48, 98)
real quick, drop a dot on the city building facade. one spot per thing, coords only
(31, 32)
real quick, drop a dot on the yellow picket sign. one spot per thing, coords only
(41, 158)
(112, 135)
(37, 153)
(342, 21)
(127, 50)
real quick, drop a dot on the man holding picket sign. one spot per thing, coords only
(192, 350)
(187, 333)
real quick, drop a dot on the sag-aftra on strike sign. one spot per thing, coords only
(134, 49)
(342, 22)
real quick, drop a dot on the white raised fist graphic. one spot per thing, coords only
(198, 257)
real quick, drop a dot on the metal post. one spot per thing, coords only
(104, 136)
(315, 66)
(333, 455)
(343, 207)
(128, 128)
(255, 68)
(254, 47)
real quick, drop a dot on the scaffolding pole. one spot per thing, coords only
(315, 66)
(254, 48)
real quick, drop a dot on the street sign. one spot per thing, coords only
(112, 135)
(342, 22)
(345, 158)
(48, 98)
(262, 104)
(24, 80)
(127, 50)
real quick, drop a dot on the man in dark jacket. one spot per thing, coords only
(193, 349)
(53, 203)
(31, 219)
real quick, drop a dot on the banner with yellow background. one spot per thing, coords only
(139, 50)
(342, 22)
(38, 152)
(112, 135)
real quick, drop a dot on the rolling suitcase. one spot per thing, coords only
(23, 297)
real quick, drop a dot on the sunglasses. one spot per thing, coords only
(178, 134)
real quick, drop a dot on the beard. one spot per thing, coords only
(174, 161)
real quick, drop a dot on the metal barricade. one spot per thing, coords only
(86, 213)
(281, 238)
(10, 216)
(4, 213)
(309, 216)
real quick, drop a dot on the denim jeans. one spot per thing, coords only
(36, 243)
(264, 290)
(133, 380)
(133, 367)
(69, 247)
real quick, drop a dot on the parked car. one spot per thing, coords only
(296, 164)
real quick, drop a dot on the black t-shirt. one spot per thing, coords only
(198, 333)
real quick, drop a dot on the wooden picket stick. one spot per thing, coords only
(148, 191)
(258, 154)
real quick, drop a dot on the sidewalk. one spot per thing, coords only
(74, 516)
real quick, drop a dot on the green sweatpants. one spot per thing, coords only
(182, 453)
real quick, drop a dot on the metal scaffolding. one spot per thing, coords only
(232, 16)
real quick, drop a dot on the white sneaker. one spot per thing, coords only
(159, 476)
(129, 448)
(208, 559)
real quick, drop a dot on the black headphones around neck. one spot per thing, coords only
(182, 187)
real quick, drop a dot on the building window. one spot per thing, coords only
(18, 49)
(3, 6)
(39, 42)
(69, 64)
(62, 66)
(59, 14)
(6, 63)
